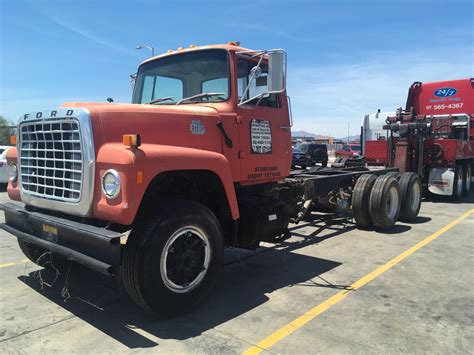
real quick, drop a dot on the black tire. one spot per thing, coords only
(148, 248)
(41, 256)
(466, 185)
(394, 174)
(410, 193)
(384, 202)
(458, 183)
(360, 200)
(324, 163)
(339, 163)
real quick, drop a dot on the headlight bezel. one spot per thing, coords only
(13, 168)
(114, 194)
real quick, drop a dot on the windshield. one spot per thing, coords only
(355, 147)
(170, 79)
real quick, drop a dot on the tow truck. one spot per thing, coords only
(152, 191)
(435, 132)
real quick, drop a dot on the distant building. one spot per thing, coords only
(324, 139)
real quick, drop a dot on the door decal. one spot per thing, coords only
(261, 136)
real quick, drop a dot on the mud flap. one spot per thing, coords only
(441, 181)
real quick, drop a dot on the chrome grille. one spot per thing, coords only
(51, 159)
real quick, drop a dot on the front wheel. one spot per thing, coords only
(171, 261)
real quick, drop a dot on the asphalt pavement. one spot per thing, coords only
(329, 289)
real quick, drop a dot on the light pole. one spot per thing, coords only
(152, 49)
(348, 127)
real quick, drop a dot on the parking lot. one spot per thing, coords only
(330, 288)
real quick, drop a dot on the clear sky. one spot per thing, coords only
(345, 58)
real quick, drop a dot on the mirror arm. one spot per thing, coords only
(250, 81)
(260, 99)
(259, 96)
(289, 111)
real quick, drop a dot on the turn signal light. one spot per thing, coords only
(139, 176)
(132, 140)
(13, 140)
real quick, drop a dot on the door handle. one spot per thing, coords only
(285, 127)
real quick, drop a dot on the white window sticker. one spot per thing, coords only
(261, 136)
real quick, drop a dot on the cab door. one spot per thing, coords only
(264, 128)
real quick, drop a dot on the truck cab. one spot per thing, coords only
(205, 139)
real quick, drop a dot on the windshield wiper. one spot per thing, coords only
(160, 99)
(203, 94)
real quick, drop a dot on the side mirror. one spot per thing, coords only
(133, 79)
(276, 71)
(255, 72)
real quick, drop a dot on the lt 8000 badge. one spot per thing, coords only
(261, 136)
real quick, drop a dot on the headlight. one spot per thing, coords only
(111, 183)
(13, 172)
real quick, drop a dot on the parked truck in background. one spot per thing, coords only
(316, 153)
(436, 132)
(350, 150)
(372, 130)
(154, 190)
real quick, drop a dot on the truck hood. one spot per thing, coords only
(184, 125)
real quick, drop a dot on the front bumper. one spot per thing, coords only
(94, 247)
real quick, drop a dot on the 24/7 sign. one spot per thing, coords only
(445, 92)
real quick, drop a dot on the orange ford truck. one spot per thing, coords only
(153, 191)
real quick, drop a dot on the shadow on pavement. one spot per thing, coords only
(98, 300)
(421, 220)
(396, 229)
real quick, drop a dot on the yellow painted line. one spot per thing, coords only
(297, 323)
(14, 263)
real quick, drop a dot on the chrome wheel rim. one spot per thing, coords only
(185, 259)
(415, 196)
(392, 203)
